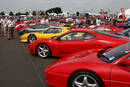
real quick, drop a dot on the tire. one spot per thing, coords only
(43, 50)
(31, 38)
(84, 79)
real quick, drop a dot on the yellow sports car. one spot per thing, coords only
(66, 25)
(50, 32)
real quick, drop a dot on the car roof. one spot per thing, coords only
(97, 31)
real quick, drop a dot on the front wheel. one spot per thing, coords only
(84, 79)
(43, 50)
(32, 38)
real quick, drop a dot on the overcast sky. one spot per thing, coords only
(66, 5)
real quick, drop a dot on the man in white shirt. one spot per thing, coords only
(42, 21)
(10, 24)
(5, 26)
(98, 21)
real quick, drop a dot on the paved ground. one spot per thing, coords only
(18, 68)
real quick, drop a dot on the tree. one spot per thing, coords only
(2, 13)
(34, 13)
(26, 13)
(56, 10)
(77, 13)
(11, 13)
(42, 13)
(17, 14)
(106, 12)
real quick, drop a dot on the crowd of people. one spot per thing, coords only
(89, 20)
(7, 23)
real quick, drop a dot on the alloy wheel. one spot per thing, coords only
(32, 38)
(43, 50)
(84, 81)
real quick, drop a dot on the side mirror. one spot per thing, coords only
(125, 62)
(58, 39)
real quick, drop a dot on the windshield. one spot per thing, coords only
(125, 31)
(115, 53)
(40, 26)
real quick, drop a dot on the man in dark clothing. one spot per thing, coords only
(115, 21)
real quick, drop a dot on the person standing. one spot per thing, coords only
(2, 26)
(5, 26)
(114, 21)
(98, 21)
(10, 24)
(47, 21)
(42, 21)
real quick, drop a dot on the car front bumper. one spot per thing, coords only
(55, 79)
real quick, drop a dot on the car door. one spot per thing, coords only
(120, 75)
(71, 42)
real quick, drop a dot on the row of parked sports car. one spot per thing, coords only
(91, 57)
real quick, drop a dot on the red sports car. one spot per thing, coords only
(74, 41)
(109, 67)
(21, 26)
(108, 28)
(25, 24)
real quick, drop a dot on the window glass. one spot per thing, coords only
(115, 53)
(78, 35)
(49, 31)
(53, 30)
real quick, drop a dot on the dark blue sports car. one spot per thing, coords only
(124, 32)
(125, 26)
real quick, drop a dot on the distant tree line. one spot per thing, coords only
(56, 10)
(2, 13)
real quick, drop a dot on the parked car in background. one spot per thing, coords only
(125, 26)
(108, 67)
(25, 24)
(74, 41)
(21, 26)
(108, 28)
(124, 33)
(34, 28)
(48, 33)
